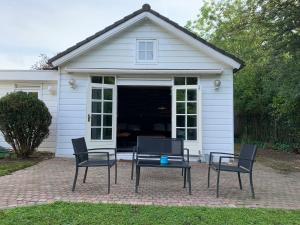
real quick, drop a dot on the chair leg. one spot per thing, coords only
(75, 179)
(190, 181)
(251, 185)
(240, 181)
(136, 179)
(182, 171)
(108, 182)
(184, 178)
(208, 177)
(116, 173)
(132, 166)
(218, 182)
(85, 173)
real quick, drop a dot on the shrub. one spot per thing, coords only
(24, 122)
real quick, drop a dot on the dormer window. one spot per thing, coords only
(146, 50)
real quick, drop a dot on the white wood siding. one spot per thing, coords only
(119, 52)
(217, 113)
(50, 100)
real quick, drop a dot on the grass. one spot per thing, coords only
(88, 213)
(12, 164)
(9, 166)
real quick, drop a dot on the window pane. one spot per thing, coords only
(142, 55)
(96, 133)
(192, 121)
(179, 80)
(97, 80)
(180, 133)
(180, 95)
(149, 55)
(180, 108)
(142, 46)
(109, 80)
(96, 120)
(107, 107)
(191, 134)
(192, 108)
(180, 121)
(96, 107)
(149, 46)
(191, 80)
(107, 133)
(107, 94)
(107, 120)
(96, 94)
(192, 95)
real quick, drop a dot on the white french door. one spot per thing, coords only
(101, 115)
(185, 110)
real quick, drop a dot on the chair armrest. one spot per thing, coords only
(88, 153)
(101, 149)
(211, 155)
(188, 154)
(232, 157)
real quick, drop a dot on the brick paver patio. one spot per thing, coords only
(51, 180)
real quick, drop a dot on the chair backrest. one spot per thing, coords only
(247, 152)
(159, 146)
(79, 146)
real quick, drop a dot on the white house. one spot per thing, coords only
(142, 75)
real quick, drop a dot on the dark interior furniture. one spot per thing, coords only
(150, 149)
(82, 156)
(142, 111)
(245, 163)
(154, 147)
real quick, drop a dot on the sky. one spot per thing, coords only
(29, 28)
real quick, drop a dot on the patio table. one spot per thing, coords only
(156, 163)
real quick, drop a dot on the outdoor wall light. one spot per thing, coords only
(72, 83)
(217, 84)
(52, 89)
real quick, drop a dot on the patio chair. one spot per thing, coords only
(244, 165)
(83, 160)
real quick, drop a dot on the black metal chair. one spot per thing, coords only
(83, 160)
(245, 165)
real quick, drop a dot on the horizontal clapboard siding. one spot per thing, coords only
(217, 114)
(49, 99)
(120, 52)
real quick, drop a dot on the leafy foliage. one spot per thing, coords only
(24, 122)
(42, 63)
(266, 35)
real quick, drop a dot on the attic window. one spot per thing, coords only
(146, 50)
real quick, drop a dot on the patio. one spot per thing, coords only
(51, 180)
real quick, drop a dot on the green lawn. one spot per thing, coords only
(87, 213)
(9, 166)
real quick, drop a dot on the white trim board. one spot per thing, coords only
(28, 75)
(141, 71)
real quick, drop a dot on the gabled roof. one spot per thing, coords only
(146, 8)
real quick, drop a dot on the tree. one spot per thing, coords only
(265, 34)
(42, 63)
(24, 122)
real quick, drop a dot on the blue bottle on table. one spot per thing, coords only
(164, 160)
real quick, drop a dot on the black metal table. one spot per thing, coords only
(172, 164)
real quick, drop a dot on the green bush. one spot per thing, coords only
(24, 122)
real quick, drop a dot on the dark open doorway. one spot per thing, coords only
(142, 111)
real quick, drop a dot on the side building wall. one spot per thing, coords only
(27, 80)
